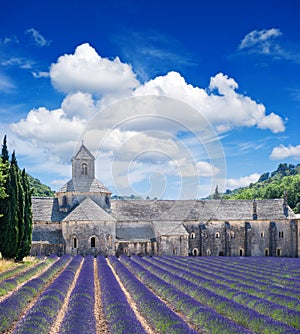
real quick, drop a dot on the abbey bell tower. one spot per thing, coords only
(83, 164)
(83, 184)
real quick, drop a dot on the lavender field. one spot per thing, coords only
(152, 295)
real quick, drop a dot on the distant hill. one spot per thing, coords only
(272, 185)
(39, 189)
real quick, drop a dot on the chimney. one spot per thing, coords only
(254, 215)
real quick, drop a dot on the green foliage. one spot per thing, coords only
(16, 218)
(39, 189)
(2, 181)
(25, 244)
(285, 177)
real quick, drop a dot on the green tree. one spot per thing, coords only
(25, 244)
(2, 181)
(15, 207)
(12, 216)
(4, 202)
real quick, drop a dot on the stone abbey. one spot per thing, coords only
(82, 219)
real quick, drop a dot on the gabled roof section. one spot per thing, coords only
(88, 210)
(83, 153)
(45, 209)
(84, 185)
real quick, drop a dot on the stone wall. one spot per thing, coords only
(249, 238)
(89, 237)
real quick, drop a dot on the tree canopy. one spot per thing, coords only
(15, 208)
(272, 185)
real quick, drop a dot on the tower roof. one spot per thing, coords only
(84, 186)
(83, 153)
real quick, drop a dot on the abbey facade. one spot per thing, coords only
(82, 219)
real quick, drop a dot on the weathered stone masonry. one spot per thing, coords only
(83, 219)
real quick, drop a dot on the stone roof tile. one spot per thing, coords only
(202, 210)
(84, 185)
(88, 210)
(45, 209)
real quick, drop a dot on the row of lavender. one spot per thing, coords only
(283, 272)
(9, 280)
(254, 313)
(281, 287)
(158, 315)
(12, 307)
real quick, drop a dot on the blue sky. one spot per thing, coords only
(173, 98)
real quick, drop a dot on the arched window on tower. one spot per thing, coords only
(74, 242)
(84, 168)
(93, 242)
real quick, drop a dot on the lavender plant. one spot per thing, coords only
(118, 313)
(12, 306)
(161, 318)
(240, 314)
(43, 314)
(80, 317)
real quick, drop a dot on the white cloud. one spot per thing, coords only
(260, 41)
(187, 168)
(38, 39)
(282, 152)
(223, 106)
(242, 181)
(6, 84)
(40, 74)
(79, 105)
(50, 131)
(86, 71)
(266, 42)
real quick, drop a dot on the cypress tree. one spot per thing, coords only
(20, 203)
(13, 214)
(4, 154)
(4, 202)
(25, 243)
(15, 208)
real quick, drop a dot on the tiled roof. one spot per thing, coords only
(134, 232)
(45, 209)
(84, 185)
(88, 210)
(169, 228)
(202, 210)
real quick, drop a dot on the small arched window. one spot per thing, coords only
(195, 252)
(241, 252)
(208, 252)
(278, 252)
(217, 235)
(75, 243)
(93, 242)
(174, 251)
(84, 168)
(266, 252)
(193, 235)
(262, 234)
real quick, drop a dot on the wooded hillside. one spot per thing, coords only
(272, 185)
